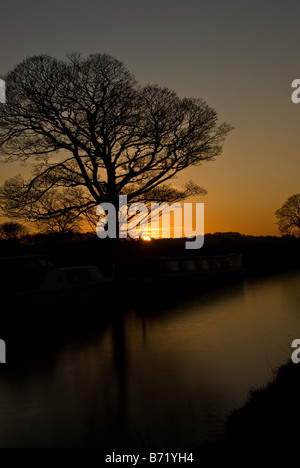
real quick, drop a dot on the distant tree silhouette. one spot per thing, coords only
(10, 230)
(94, 134)
(289, 216)
(64, 225)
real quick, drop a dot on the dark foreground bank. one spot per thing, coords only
(266, 426)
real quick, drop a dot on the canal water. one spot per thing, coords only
(155, 374)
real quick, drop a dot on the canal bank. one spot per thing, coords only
(266, 426)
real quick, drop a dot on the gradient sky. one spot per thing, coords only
(240, 56)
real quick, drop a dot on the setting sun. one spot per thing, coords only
(147, 238)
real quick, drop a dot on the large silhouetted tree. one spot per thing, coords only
(289, 216)
(93, 134)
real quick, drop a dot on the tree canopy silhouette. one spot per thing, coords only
(12, 231)
(289, 216)
(92, 134)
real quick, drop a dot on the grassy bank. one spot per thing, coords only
(267, 425)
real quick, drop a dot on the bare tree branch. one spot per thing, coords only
(289, 216)
(93, 134)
